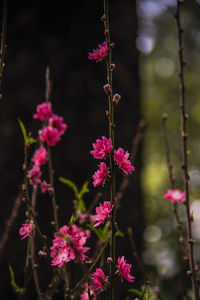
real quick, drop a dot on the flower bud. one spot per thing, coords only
(109, 260)
(107, 88)
(116, 99)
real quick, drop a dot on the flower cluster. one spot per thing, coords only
(102, 212)
(51, 134)
(100, 53)
(27, 229)
(99, 283)
(68, 245)
(124, 270)
(101, 149)
(174, 195)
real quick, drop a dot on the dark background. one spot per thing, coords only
(60, 35)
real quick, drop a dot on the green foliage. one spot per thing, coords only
(72, 220)
(102, 233)
(136, 292)
(146, 293)
(78, 194)
(28, 140)
(15, 287)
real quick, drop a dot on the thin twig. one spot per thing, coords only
(134, 252)
(78, 285)
(9, 223)
(172, 180)
(192, 270)
(3, 39)
(32, 249)
(135, 143)
(51, 179)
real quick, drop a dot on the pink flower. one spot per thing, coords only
(85, 296)
(174, 195)
(99, 53)
(99, 281)
(122, 161)
(40, 156)
(44, 186)
(43, 111)
(100, 175)
(57, 122)
(68, 245)
(102, 212)
(124, 269)
(102, 148)
(34, 175)
(27, 229)
(50, 135)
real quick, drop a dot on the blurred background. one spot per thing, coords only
(40, 34)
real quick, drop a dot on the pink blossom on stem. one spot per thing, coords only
(57, 122)
(68, 244)
(43, 111)
(99, 281)
(122, 161)
(99, 53)
(124, 270)
(174, 195)
(100, 175)
(44, 186)
(50, 135)
(27, 229)
(85, 296)
(101, 148)
(34, 175)
(102, 212)
(40, 156)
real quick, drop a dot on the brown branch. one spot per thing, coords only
(32, 249)
(192, 270)
(172, 180)
(9, 223)
(135, 143)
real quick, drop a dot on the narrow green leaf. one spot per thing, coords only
(15, 287)
(71, 184)
(83, 190)
(102, 234)
(119, 233)
(31, 140)
(136, 292)
(23, 129)
(73, 219)
(81, 205)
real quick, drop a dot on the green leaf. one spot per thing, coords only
(71, 184)
(136, 292)
(15, 287)
(119, 233)
(103, 234)
(72, 220)
(83, 190)
(23, 129)
(81, 205)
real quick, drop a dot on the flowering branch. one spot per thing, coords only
(192, 270)
(111, 135)
(84, 278)
(32, 249)
(133, 153)
(47, 98)
(172, 180)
